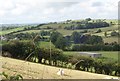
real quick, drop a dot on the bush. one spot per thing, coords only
(114, 33)
(96, 47)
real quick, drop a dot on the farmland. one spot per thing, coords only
(38, 71)
(58, 44)
(107, 54)
(10, 30)
(60, 28)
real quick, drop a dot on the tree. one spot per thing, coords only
(94, 40)
(76, 37)
(61, 42)
(58, 40)
(54, 35)
(44, 53)
(88, 19)
(105, 34)
(99, 30)
(44, 33)
(18, 49)
(114, 33)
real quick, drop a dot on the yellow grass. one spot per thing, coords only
(38, 71)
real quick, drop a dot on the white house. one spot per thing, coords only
(91, 54)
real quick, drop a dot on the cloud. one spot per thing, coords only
(28, 11)
(96, 4)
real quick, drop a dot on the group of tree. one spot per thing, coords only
(7, 28)
(95, 47)
(88, 24)
(28, 36)
(79, 42)
(79, 38)
(114, 33)
(59, 40)
(45, 33)
(95, 65)
(31, 51)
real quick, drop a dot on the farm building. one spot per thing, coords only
(91, 54)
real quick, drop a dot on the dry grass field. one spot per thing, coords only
(38, 71)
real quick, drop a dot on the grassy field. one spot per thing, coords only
(29, 31)
(108, 54)
(110, 39)
(46, 44)
(39, 71)
(10, 30)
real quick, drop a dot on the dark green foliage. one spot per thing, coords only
(98, 31)
(105, 33)
(85, 39)
(94, 40)
(18, 49)
(88, 19)
(95, 47)
(45, 33)
(54, 36)
(76, 37)
(114, 33)
(61, 42)
(13, 77)
(85, 24)
(58, 40)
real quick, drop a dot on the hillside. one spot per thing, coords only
(38, 71)
(61, 27)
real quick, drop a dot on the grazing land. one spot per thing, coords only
(107, 54)
(38, 71)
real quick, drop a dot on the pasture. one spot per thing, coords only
(11, 30)
(108, 54)
(46, 45)
(31, 70)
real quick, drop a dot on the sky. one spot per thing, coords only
(42, 11)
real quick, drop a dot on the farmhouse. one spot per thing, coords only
(91, 54)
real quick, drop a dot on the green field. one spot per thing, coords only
(29, 31)
(110, 39)
(108, 54)
(46, 44)
(11, 30)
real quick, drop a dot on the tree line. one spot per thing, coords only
(88, 24)
(75, 42)
(95, 47)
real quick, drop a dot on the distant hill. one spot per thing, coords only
(16, 25)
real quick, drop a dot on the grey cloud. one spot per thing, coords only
(59, 5)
